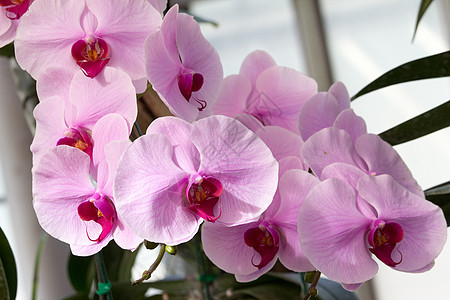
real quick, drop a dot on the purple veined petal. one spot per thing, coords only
(233, 95)
(87, 250)
(124, 237)
(280, 141)
(162, 73)
(111, 127)
(291, 254)
(289, 163)
(178, 131)
(110, 92)
(61, 182)
(282, 92)
(50, 126)
(255, 275)
(54, 82)
(113, 153)
(159, 5)
(8, 29)
(328, 146)
(242, 163)
(294, 186)
(125, 25)
(350, 122)
(351, 287)
(169, 33)
(249, 121)
(351, 175)
(41, 45)
(226, 248)
(381, 158)
(319, 112)
(422, 222)
(148, 191)
(198, 55)
(15, 9)
(339, 91)
(332, 233)
(255, 63)
(140, 85)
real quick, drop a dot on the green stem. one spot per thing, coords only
(102, 276)
(201, 268)
(37, 262)
(148, 273)
(312, 291)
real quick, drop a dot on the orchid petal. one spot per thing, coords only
(54, 82)
(148, 192)
(332, 233)
(280, 141)
(178, 132)
(233, 96)
(110, 92)
(422, 222)
(326, 147)
(61, 182)
(243, 164)
(381, 158)
(319, 112)
(350, 122)
(255, 63)
(125, 25)
(40, 45)
(339, 91)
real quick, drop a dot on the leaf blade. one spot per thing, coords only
(426, 123)
(8, 267)
(424, 4)
(433, 66)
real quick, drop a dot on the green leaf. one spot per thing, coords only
(422, 9)
(331, 290)
(124, 290)
(7, 50)
(8, 270)
(440, 195)
(126, 263)
(426, 123)
(81, 272)
(270, 291)
(428, 67)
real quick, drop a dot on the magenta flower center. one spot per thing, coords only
(264, 239)
(383, 237)
(78, 138)
(100, 210)
(202, 194)
(189, 82)
(91, 54)
(14, 9)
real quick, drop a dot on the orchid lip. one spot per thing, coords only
(202, 195)
(91, 54)
(100, 210)
(264, 239)
(78, 138)
(189, 82)
(383, 238)
(14, 9)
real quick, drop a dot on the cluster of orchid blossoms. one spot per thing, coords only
(271, 167)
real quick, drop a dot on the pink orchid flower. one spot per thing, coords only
(183, 67)
(341, 226)
(368, 152)
(10, 13)
(250, 250)
(330, 109)
(178, 174)
(86, 35)
(70, 105)
(67, 203)
(272, 94)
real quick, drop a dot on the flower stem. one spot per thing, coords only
(201, 268)
(104, 285)
(148, 273)
(37, 262)
(312, 291)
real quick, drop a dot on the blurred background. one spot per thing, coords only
(347, 40)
